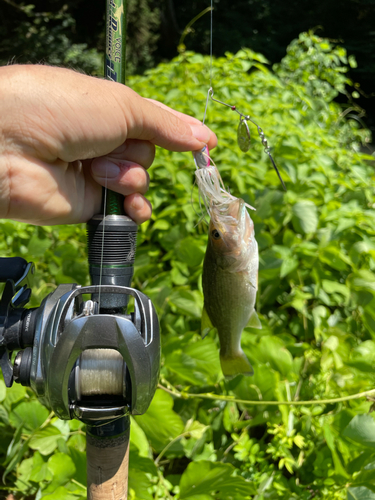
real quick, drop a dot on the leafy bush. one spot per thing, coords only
(45, 37)
(315, 300)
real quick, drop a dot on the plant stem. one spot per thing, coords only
(157, 460)
(188, 395)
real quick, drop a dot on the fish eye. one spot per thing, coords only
(215, 234)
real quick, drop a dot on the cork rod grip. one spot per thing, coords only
(107, 467)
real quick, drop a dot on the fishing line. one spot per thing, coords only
(243, 132)
(210, 73)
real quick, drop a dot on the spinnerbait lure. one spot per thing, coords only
(243, 132)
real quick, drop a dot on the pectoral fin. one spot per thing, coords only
(206, 325)
(254, 321)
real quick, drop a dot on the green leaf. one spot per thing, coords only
(263, 384)
(363, 280)
(352, 61)
(140, 474)
(3, 390)
(24, 471)
(161, 224)
(187, 302)
(4, 415)
(200, 497)
(339, 469)
(305, 217)
(13, 395)
(361, 429)
(231, 416)
(332, 287)
(140, 483)
(30, 414)
(37, 245)
(143, 464)
(60, 494)
(289, 265)
(334, 257)
(360, 493)
(272, 350)
(138, 438)
(198, 362)
(365, 477)
(40, 471)
(160, 423)
(45, 440)
(269, 265)
(15, 452)
(190, 251)
(62, 469)
(213, 478)
(79, 460)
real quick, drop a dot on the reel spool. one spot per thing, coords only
(100, 372)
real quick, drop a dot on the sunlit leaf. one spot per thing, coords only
(31, 414)
(45, 440)
(305, 217)
(208, 477)
(362, 430)
(160, 423)
(360, 493)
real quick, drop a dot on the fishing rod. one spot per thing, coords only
(89, 358)
(111, 252)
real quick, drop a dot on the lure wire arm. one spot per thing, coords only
(244, 119)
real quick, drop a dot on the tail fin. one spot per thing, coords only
(236, 364)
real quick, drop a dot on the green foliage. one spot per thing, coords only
(315, 300)
(60, 33)
(268, 26)
(322, 72)
(45, 37)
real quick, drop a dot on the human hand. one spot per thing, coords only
(62, 133)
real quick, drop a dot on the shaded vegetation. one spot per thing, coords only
(72, 33)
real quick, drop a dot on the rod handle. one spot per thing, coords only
(107, 467)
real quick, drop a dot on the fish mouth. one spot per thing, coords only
(232, 222)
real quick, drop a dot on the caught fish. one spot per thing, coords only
(230, 271)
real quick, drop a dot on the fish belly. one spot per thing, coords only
(229, 300)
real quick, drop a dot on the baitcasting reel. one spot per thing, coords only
(81, 361)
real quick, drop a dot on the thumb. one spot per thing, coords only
(70, 116)
(163, 126)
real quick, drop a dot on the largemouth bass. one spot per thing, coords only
(230, 271)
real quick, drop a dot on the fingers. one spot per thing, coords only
(122, 176)
(137, 207)
(141, 152)
(128, 179)
(71, 116)
(124, 170)
(65, 116)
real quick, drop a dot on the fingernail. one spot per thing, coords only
(201, 132)
(105, 168)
